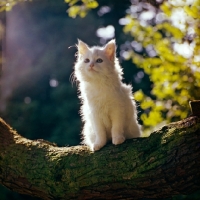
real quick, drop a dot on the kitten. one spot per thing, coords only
(108, 109)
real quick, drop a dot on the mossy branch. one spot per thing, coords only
(165, 164)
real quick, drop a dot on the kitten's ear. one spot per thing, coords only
(110, 49)
(82, 47)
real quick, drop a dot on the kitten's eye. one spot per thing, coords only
(99, 60)
(86, 60)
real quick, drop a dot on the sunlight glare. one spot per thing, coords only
(185, 49)
(106, 32)
(27, 100)
(53, 83)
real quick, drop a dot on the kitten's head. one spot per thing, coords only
(97, 63)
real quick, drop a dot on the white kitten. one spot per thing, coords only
(108, 109)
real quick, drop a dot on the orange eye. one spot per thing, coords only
(86, 60)
(99, 60)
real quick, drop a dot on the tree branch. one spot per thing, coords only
(165, 164)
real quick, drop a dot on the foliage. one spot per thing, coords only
(80, 10)
(77, 7)
(6, 5)
(170, 40)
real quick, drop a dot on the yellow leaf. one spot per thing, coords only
(166, 8)
(139, 95)
(92, 4)
(147, 103)
(73, 11)
(193, 11)
(83, 13)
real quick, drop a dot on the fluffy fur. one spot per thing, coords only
(108, 109)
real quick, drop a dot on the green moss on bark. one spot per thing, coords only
(162, 165)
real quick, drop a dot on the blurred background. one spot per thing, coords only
(158, 48)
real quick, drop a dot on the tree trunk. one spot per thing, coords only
(165, 164)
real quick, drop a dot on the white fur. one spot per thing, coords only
(108, 109)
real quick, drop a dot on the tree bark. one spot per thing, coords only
(165, 164)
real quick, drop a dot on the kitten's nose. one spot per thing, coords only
(92, 65)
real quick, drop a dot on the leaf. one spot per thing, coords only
(193, 11)
(73, 11)
(147, 103)
(166, 8)
(83, 13)
(139, 95)
(92, 4)
(67, 1)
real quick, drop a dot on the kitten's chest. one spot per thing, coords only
(102, 101)
(101, 106)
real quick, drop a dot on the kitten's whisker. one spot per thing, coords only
(71, 46)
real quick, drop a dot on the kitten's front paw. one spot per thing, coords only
(96, 146)
(118, 140)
